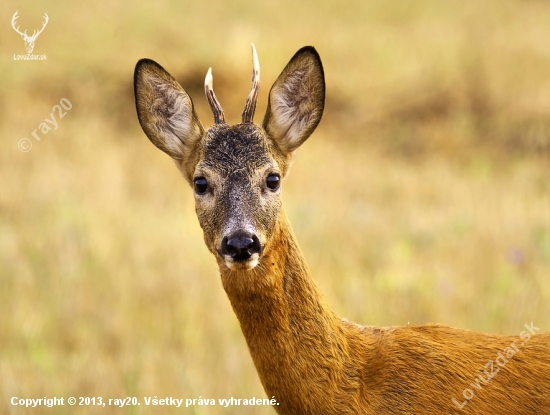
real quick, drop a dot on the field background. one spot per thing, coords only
(423, 196)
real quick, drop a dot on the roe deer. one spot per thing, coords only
(309, 359)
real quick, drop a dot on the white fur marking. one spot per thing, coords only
(250, 264)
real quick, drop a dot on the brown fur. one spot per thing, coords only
(315, 363)
(308, 358)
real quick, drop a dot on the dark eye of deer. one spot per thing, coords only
(201, 185)
(273, 181)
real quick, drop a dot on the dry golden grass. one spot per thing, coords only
(424, 196)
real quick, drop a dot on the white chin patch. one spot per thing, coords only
(250, 264)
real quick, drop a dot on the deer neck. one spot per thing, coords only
(289, 329)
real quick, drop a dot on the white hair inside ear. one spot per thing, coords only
(296, 100)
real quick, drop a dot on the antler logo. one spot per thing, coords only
(29, 40)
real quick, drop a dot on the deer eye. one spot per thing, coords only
(273, 181)
(201, 185)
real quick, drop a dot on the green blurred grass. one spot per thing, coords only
(423, 196)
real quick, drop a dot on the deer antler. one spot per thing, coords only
(35, 33)
(13, 19)
(250, 105)
(219, 116)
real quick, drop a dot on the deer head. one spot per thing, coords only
(29, 40)
(235, 170)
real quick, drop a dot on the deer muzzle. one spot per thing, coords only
(241, 247)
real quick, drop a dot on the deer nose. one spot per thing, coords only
(240, 246)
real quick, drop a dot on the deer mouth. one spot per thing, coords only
(247, 264)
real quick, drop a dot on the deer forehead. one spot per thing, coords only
(243, 148)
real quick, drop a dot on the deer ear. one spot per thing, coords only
(165, 111)
(296, 100)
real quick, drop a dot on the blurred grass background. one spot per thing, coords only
(424, 195)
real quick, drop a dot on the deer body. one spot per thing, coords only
(316, 363)
(307, 358)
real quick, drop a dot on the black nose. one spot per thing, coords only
(240, 246)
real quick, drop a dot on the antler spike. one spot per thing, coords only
(37, 32)
(250, 105)
(219, 116)
(13, 22)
